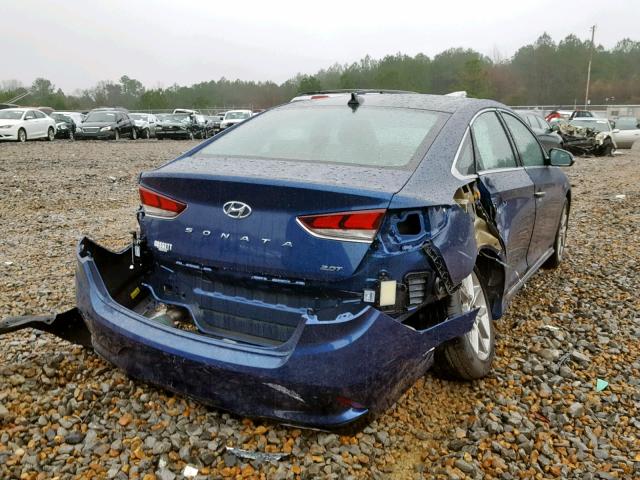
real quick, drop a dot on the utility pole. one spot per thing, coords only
(586, 96)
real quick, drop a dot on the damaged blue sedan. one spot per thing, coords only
(309, 264)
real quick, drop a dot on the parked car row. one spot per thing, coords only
(22, 124)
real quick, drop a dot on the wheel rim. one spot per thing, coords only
(472, 297)
(22, 136)
(562, 234)
(51, 135)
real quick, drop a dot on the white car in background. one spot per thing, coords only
(22, 124)
(233, 117)
(626, 132)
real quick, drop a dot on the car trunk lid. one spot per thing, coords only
(269, 240)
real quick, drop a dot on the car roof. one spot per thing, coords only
(440, 103)
(18, 109)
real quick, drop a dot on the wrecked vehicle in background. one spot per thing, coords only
(145, 124)
(587, 136)
(312, 263)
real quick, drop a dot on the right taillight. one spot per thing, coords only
(158, 205)
(359, 226)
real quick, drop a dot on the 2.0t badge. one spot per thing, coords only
(237, 210)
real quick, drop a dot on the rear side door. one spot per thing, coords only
(43, 123)
(153, 121)
(31, 125)
(509, 190)
(550, 187)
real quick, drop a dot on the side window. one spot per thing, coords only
(465, 163)
(39, 114)
(526, 143)
(30, 115)
(492, 145)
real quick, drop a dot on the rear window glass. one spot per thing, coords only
(383, 137)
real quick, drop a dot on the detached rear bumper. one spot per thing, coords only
(328, 374)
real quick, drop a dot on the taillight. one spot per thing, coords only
(158, 205)
(319, 97)
(360, 226)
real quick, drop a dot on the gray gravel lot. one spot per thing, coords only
(64, 412)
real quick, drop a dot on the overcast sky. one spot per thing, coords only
(76, 43)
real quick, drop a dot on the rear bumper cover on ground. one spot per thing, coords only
(328, 374)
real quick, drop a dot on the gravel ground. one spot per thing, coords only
(65, 412)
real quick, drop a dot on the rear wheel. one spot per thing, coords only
(469, 356)
(146, 134)
(71, 135)
(134, 134)
(560, 241)
(191, 137)
(51, 134)
(116, 135)
(22, 135)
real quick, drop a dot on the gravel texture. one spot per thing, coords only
(65, 412)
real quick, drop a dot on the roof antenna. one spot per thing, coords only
(355, 101)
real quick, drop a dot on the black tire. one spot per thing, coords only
(51, 134)
(146, 134)
(22, 135)
(116, 134)
(72, 137)
(560, 241)
(191, 137)
(159, 137)
(457, 357)
(606, 149)
(134, 134)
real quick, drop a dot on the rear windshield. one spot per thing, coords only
(372, 136)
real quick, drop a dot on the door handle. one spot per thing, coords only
(539, 194)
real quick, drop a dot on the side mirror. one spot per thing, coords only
(560, 158)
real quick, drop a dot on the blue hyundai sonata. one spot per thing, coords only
(309, 264)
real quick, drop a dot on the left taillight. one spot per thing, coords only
(358, 226)
(158, 205)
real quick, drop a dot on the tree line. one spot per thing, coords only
(544, 72)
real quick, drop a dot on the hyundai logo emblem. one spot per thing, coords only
(236, 210)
